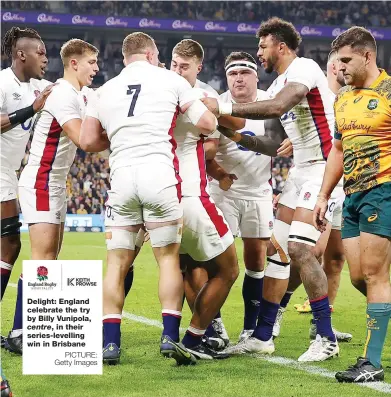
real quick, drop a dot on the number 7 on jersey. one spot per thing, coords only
(133, 90)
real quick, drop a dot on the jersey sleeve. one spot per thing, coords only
(2, 100)
(337, 134)
(93, 105)
(303, 73)
(63, 106)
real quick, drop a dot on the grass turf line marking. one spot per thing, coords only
(382, 387)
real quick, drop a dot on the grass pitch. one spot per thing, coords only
(143, 372)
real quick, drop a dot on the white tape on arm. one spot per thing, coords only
(195, 111)
(225, 108)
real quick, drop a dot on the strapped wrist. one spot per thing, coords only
(21, 115)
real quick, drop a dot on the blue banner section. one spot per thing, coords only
(44, 18)
(77, 223)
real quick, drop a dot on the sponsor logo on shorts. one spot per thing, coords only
(372, 218)
(307, 196)
(372, 104)
(58, 215)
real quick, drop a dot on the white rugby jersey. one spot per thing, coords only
(310, 123)
(16, 95)
(139, 109)
(252, 169)
(52, 152)
(190, 149)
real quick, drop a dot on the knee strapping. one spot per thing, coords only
(304, 233)
(279, 240)
(120, 238)
(10, 226)
(165, 235)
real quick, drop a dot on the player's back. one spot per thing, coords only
(252, 169)
(310, 123)
(190, 150)
(52, 152)
(16, 95)
(138, 109)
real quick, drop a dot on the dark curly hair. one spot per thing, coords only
(282, 31)
(13, 35)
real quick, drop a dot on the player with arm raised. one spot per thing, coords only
(300, 97)
(247, 204)
(42, 184)
(207, 241)
(139, 109)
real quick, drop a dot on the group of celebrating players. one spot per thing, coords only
(192, 168)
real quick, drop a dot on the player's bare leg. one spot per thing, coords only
(352, 249)
(45, 241)
(10, 243)
(211, 298)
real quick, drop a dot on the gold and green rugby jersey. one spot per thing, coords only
(363, 123)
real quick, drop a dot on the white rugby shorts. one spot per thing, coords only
(205, 234)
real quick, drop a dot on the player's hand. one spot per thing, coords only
(319, 219)
(275, 201)
(212, 104)
(40, 100)
(285, 149)
(226, 182)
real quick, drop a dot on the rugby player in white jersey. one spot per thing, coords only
(300, 97)
(206, 235)
(334, 256)
(247, 204)
(22, 94)
(138, 109)
(42, 184)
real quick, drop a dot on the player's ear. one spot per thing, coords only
(368, 56)
(73, 64)
(199, 68)
(21, 55)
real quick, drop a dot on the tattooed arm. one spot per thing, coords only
(284, 101)
(267, 144)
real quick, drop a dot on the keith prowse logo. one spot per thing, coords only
(307, 196)
(42, 273)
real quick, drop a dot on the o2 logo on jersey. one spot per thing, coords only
(27, 126)
(288, 115)
(240, 147)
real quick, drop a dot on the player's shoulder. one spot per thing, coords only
(226, 96)
(305, 66)
(40, 84)
(343, 91)
(261, 95)
(383, 87)
(6, 78)
(207, 88)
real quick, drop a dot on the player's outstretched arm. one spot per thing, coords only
(267, 144)
(93, 138)
(284, 101)
(9, 121)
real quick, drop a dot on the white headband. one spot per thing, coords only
(240, 65)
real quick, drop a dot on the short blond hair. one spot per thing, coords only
(76, 48)
(188, 48)
(137, 43)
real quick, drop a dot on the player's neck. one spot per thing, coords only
(250, 98)
(334, 85)
(18, 72)
(71, 78)
(285, 62)
(371, 77)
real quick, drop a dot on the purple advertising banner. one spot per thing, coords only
(44, 18)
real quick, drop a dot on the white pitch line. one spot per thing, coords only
(382, 387)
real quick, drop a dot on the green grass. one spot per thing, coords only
(143, 372)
